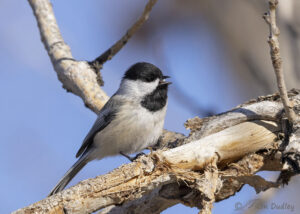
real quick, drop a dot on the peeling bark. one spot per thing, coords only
(241, 145)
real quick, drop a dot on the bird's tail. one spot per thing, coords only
(80, 163)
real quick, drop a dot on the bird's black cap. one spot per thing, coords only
(143, 71)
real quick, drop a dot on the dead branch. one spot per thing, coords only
(78, 77)
(270, 18)
(244, 141)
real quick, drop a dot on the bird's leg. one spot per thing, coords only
(138, 155)
(134, 158)
(127, 156)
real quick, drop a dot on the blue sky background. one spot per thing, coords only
(42, 126)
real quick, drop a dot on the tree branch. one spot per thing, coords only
(113, 50)
(78, 77)
(176, 175)
(270, 18)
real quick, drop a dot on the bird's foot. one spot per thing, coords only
(132, 158)
(138, 155)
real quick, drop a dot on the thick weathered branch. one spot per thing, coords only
(273, 41)
(179, 175)
(76, 76)
(113, 50)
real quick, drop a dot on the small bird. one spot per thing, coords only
(130, 121)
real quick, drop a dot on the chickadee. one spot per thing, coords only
(129, 122)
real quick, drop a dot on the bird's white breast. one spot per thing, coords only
(133, 129)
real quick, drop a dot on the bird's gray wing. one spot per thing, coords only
(105, 116)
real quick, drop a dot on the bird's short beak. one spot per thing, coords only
(164, 82)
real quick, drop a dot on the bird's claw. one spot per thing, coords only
(132, 158)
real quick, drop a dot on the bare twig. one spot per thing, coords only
(270, 18)
(113, 50)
